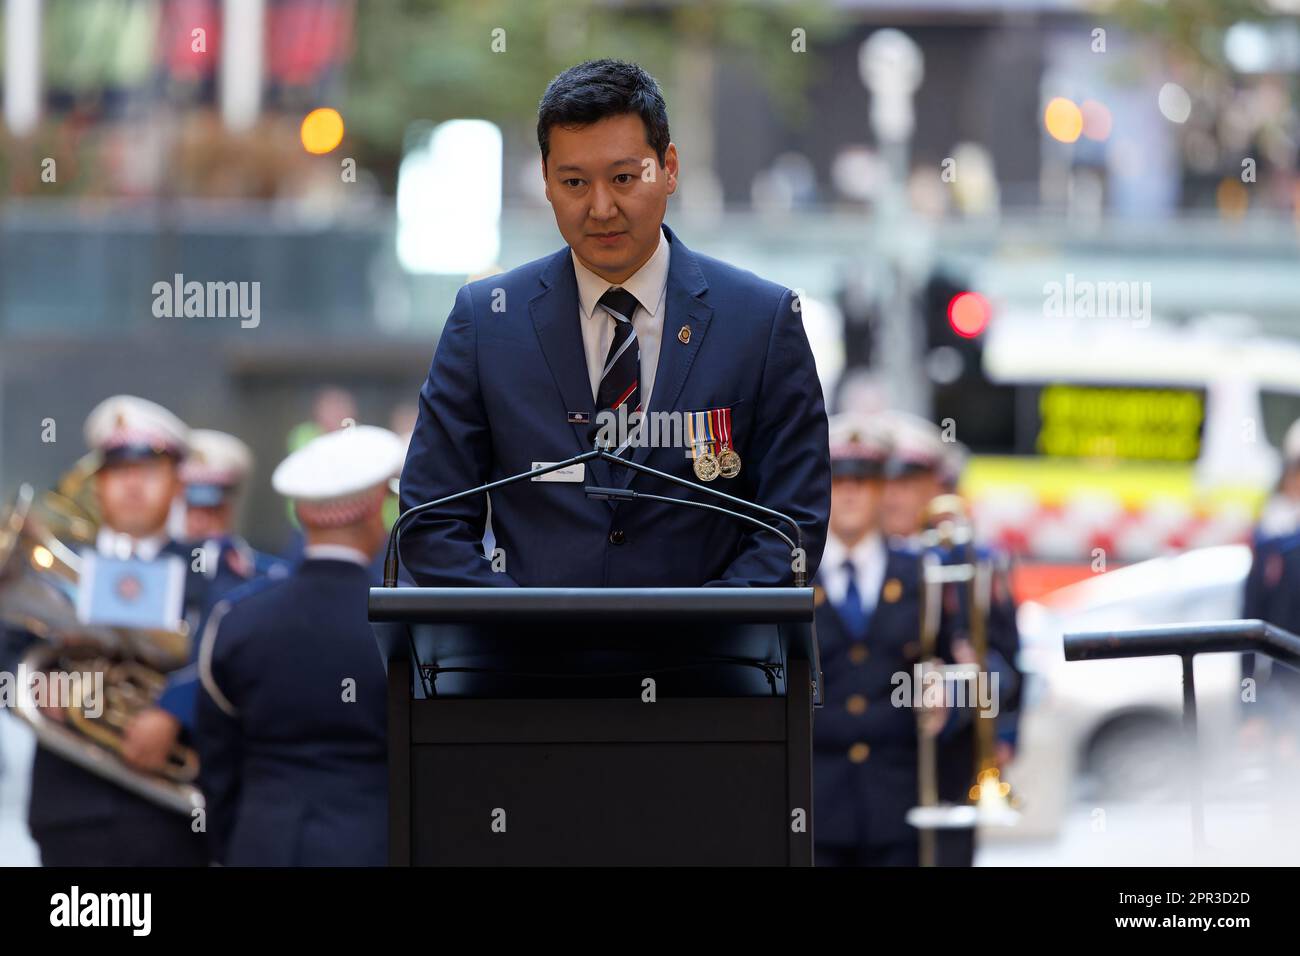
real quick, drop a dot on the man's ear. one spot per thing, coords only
(546, 182)
(671, 167)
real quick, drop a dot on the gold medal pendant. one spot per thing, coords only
(706, 466)
(728, 463)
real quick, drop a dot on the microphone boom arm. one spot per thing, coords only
(395, 535)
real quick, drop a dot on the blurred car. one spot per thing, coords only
(1114, 726)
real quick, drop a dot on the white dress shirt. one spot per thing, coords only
(869, 557)
(649, 284)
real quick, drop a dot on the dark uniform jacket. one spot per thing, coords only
(1272, 594)
(66, 797)
(294, 764)
(865, 749)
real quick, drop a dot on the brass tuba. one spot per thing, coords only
(990, 804)
(125, 667)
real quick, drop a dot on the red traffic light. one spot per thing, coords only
(968, 314)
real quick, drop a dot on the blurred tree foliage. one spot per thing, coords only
(438, 59)
(1191, 30)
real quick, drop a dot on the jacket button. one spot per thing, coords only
(616, 537)
(859, 752)
(858, 653)
(856, 705)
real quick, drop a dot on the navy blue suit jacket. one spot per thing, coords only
(294, 773)
(509, 370)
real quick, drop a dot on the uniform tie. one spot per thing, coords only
(852, 613)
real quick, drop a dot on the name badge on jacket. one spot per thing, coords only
(571, 473)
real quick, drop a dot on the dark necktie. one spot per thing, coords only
(619, 380)
(851, 611)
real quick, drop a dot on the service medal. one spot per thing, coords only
(728, 460)
(706, 465)
(702, 439)
(728, 463)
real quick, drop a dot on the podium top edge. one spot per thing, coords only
(647, 605)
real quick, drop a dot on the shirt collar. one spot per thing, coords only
(647, 283)
(834, 554)
(115, 544)
(335, 552)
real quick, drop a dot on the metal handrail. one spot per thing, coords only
(1209, 637)
(1185, 641)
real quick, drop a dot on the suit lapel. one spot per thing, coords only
(555, 317)
(554, 313)
(683, 308)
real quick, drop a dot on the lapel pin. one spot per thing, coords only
(892, 591)
(579, 418)
(684, 334)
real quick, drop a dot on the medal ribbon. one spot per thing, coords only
(696, 433)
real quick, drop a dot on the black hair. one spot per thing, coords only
(591, 91)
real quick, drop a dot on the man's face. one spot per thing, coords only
(905, 501)
(203, 523)
(136, 496)
(609, 193)
(855, 508)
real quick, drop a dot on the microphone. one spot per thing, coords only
(395, 535)
(627, 494)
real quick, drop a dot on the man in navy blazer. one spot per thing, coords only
(624, 323)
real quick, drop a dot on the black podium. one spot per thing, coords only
(555, 726)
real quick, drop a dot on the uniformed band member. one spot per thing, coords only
(78, 818)
(868, 628)
(915, 471)
(291, 718)
(921, 466)
(867, 618)
(214, 474)
(958, 745)
(1272, 593)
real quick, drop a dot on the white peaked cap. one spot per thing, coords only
(126, 422)
(216, 458)
(341, 476)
